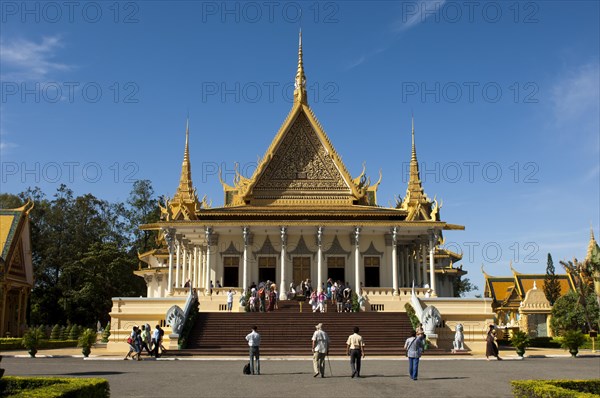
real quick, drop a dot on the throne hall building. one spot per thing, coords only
(300, 216)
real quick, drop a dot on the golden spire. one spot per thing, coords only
(300, 83)
(592, 245)
(414, 191)
(185, 190)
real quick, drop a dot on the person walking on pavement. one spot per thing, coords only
(355, 347)
(320, 349)
(414, 347)
(253, 339)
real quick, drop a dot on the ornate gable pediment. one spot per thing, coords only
(301, 167)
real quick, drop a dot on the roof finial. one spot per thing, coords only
(300, 83)
(185, 190)
(414, 150)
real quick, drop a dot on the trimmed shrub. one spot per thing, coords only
(67, 332)
(74, 334)
(106, 333)
(55, 334)
(11, 343)
(50, 387)
(63, 333)
(556, 388)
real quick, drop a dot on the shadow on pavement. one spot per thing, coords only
(99, 373)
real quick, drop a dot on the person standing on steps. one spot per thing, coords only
(320, 349)
(355, 347)
(253, 339)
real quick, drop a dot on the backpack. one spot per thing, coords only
(161, 332)
(247, 368)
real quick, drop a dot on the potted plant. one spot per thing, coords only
(520, 340)
(86, 340)
(32, 340)
(571, 340)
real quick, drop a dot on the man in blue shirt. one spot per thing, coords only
(253, 339)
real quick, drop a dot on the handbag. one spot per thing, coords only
(129, 340)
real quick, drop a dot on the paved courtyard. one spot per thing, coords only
(293, 378)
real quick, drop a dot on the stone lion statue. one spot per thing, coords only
(459, 338)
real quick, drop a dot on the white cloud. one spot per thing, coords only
(23, 59)
(576, 96)
(415, 12)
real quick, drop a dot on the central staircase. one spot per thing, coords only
(287, 331)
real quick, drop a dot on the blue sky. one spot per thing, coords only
(505, 97)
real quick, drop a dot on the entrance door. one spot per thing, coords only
(231, 271)
(266, 269)
(372, 272)
(335, 268)
(301, 269)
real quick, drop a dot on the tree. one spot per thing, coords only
(568, 313)
(551, 282)
(143, 209)
(463, 286)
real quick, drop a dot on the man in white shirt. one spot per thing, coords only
(230, 294)
(320, 348)
(253, 339)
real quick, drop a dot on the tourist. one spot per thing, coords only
(131, 341)
(146, 339)
(188, 283)
(138, 344)
(320, 348)
(272, 299)
(414, 347)
(230, 294)
(314, 301)
(261, 299)
(321, 301)
(253, 303)
(491, 347)
(292, 292)
(156, 341)
(253, 339)
(355, 347)
(340, 298)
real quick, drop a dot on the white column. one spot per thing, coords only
(418, 265)
(283, 283)
(319, 257)
(413, 267)
(424, 263)
(407, 266)
(395, 260)
(170, 246)
(190, 266)
(196, 270)
(206, 270)
(208, 232)
(177, 265)
(400, 266)
(246, 234)
(357, 260)
(432, 264)
(185, 265)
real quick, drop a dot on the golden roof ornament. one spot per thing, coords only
(300, 82)
(416, 202)
(185, 201)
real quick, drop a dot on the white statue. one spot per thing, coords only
(429, 316)
(459, 338)
(175, 318)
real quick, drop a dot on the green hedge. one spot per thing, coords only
(556, 388)
(13, 343)
(49, 387)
